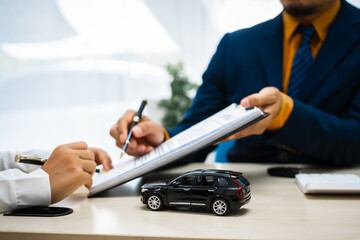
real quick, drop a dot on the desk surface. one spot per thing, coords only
(277, 210)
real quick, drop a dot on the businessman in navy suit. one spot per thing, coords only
(302, 67)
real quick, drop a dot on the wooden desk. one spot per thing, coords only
(277, 210)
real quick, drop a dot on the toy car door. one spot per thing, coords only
(203, 189)
(179, 190)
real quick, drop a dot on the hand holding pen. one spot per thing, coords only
(145, 135)
(136, 120)
(101, 158)
(69, 167)
(21, 158)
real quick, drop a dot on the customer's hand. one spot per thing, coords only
(69, 167)
(101, 157)
(269, 101)
(147, 134)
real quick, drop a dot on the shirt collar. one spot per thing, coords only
(321, 23)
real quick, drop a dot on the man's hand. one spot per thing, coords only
(269, 101)
(101, 157)
(69, 167)
(146, 134)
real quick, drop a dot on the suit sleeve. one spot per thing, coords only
(324, 137)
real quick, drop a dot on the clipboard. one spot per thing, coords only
(217, 127)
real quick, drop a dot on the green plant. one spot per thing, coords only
(180, 100)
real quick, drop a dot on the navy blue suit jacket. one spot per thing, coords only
(324, 126)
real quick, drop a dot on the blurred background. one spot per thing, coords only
(70, 68)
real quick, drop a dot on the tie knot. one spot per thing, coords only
(307, 32)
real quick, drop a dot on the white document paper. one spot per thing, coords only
(209, 131)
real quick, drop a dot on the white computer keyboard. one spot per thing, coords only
(313, 183)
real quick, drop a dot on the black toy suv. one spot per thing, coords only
(218, 190)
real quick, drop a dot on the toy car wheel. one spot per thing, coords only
(154, 202)
(220, 207)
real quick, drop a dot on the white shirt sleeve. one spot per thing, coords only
(19, 189)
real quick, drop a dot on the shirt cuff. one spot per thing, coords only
(166, 134)
(33, 190)
(287, 105)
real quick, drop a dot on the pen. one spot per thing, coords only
(135, 121)
(34, 160)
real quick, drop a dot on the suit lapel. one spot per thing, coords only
(339, 41)
(270, 51)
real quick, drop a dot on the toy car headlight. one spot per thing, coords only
(144, 189)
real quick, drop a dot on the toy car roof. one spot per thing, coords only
(216, 172)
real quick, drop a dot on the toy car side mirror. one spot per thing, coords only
(175, 183)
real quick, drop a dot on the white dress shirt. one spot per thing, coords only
(23, 185)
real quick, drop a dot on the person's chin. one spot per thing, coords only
(300, 11)
(298, 8)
